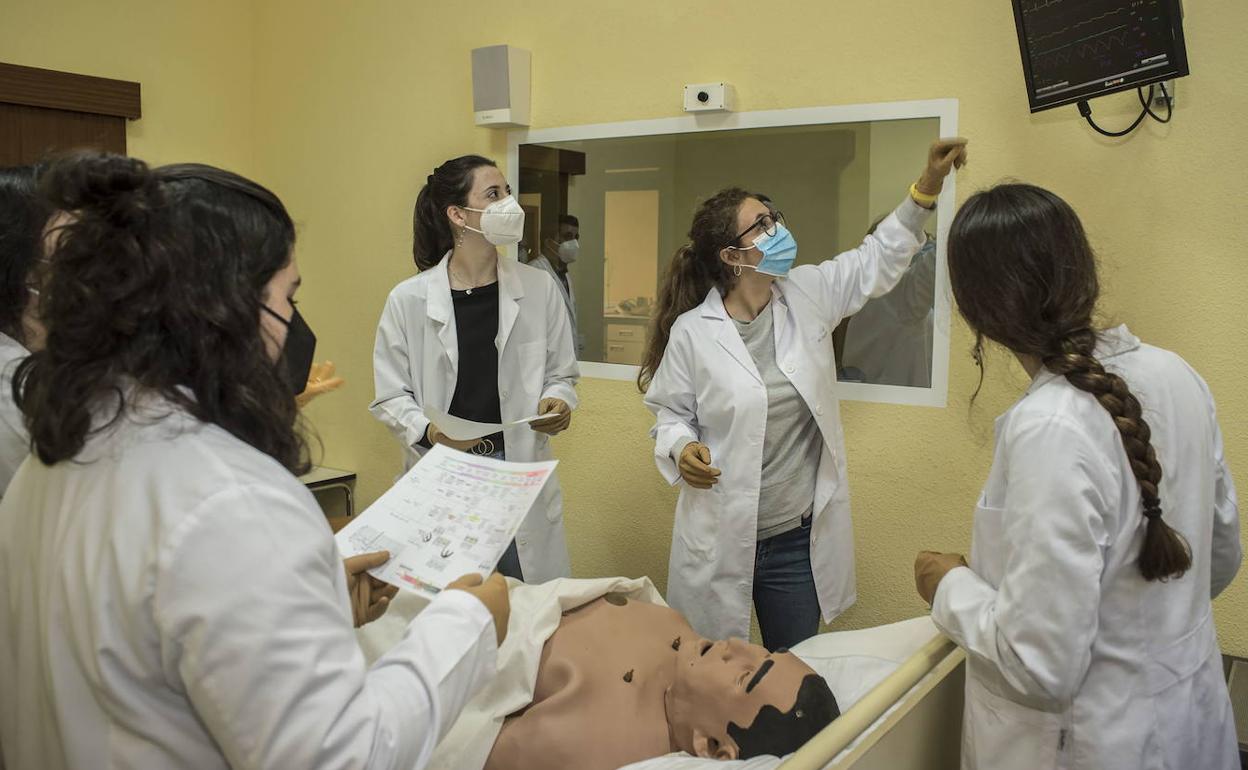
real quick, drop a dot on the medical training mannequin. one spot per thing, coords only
(624, 680)
(1107, 523)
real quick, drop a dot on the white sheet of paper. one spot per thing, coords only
(453, 513)
(459, 429)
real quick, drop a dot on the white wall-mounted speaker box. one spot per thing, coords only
(501, 86)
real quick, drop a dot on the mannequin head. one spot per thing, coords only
(734, 700)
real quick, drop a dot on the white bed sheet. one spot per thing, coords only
(852, 662)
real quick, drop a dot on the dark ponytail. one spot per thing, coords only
(448, 185)
(1024, 275)
(693, 271)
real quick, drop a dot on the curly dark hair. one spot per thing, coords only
(22, 217)
(155, 285)
(694, 270)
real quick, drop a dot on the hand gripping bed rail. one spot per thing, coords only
(832, 740)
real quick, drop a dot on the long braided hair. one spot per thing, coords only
(1024, 275)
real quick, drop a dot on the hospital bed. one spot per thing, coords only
(900, 689)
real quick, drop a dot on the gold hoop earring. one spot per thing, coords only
(736, 270)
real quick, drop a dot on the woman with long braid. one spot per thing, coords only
(1107, 524)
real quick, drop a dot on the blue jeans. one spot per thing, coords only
(784, 589)
(509, 564)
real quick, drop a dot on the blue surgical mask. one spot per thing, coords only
(779, 251)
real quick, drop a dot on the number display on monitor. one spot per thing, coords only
(1077, 49)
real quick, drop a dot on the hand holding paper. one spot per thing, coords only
(450, 515)
(555, 416)
(460, 430)
(436, 436)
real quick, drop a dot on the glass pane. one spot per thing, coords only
(634, 199)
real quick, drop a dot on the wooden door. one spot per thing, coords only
(43, 112)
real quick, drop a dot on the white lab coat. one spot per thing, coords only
(174, 598)
(14, 441)
(708, 389)
(415, 362)
(1075, 661)
(568, 294)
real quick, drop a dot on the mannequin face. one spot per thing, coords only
(710, 690)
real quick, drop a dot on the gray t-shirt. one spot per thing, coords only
(792, 442)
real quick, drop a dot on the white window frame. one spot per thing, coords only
(946, 110)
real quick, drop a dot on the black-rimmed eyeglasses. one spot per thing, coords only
(766, 224)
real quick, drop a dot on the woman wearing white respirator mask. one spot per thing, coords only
(478, 335)
(556, 256)
(740, 373)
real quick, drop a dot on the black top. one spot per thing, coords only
(476, 324)
(476, 385)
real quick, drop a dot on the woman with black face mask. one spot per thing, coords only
(170, 594)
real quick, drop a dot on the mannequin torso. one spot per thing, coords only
(599, 697)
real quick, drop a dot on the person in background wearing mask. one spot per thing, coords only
(1107, 524)
(22, 218)
(170, 594)
(740, 374)
(557, 255)
(478, 335)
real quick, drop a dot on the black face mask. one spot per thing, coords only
(299, 350)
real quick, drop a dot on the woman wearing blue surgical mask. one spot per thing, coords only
(740, 374)
(170, 593)
(479, 336)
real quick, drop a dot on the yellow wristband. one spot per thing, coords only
(923, 199)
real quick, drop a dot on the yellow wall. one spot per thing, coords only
(359, 107)
(352, 105)
(193, 61)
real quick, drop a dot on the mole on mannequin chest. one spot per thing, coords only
(620, 637)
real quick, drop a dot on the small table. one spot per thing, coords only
(321, 478)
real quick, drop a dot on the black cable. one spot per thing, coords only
(1146, 103)
(1086, 111)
